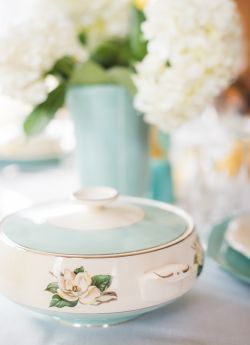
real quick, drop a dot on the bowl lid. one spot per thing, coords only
(97, 222)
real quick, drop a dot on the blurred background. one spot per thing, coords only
(202, 165)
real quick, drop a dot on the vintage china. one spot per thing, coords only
(31, 148)
(226, 257)
(98, 258)
(238, 235)
(31, 153)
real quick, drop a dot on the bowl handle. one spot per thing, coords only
(167, 281)
(95, 198)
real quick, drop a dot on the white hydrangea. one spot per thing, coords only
(30, 49)
(195, 50)
(100, 19)
(103, 18)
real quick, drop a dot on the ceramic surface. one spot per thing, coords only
(228, 259)
(95, 286)
(238, 235)
(111, 139)
(93, 320)
(31, 164)
(35, 228)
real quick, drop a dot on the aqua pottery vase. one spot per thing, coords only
(161, 188)
(111, 138)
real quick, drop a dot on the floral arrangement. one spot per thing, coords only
(73, 287)
(194, 52)
(174, 57)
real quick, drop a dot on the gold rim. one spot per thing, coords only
(190, 230)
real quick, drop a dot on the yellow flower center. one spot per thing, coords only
(75, 288)
(140, 4)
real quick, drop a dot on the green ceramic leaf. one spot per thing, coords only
(89, 73)
(199, 270)
(52, 287)
(123, 76)
(58, 302)
(79, 270)
(107, 297)
(102, 282)
(39, 118)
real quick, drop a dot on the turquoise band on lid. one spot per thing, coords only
(29, 229)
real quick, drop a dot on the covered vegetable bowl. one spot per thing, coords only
(98, 258)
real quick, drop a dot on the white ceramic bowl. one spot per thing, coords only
(98, 258)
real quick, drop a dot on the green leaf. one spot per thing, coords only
(39, 118)
(79, 270)
(58, 302)
(123, 76)
(102, 282)
(168, 63)
(112, 53)
(63, 67)
(138, 44)
(89, 73)
(105, 54)
(52, 287)
(82, 37)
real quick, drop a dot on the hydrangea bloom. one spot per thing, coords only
(30, 49)
(194, 52)
(104, 17)
(100, 19)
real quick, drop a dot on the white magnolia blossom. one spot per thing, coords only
(74, 287)
(30, 49)
(195, 51)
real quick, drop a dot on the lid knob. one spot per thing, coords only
(96, 198)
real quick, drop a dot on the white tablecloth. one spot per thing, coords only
(215, 312)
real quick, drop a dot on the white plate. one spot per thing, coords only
(32, 148)
(238, 235)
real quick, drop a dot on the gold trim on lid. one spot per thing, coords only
(189, 231)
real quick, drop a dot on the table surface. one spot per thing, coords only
(215, 312)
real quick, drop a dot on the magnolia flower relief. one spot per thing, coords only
(30, 49)
(73, 287)
(195, 51)
(198, 255)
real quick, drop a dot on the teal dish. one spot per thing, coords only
(227, 258)
(98, 258)
(158, 227)
(31, 164)
(94, 320)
